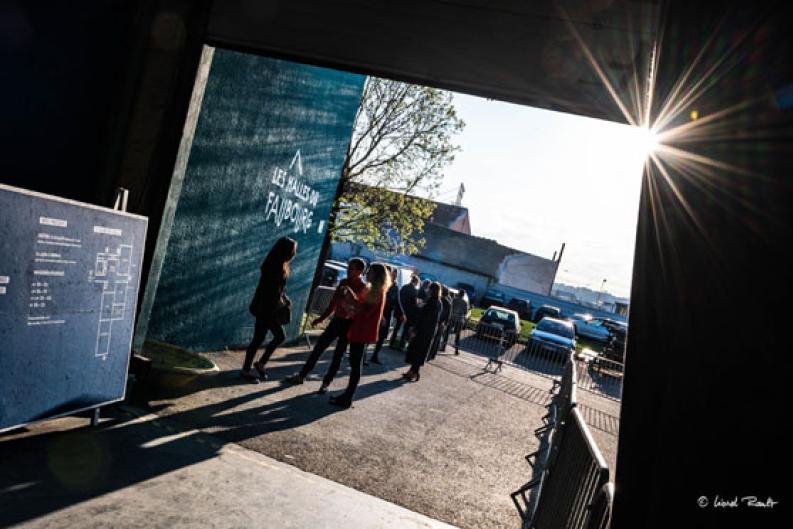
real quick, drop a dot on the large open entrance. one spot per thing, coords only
(713, 207)
(256, 127)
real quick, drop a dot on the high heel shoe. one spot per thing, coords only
(247, 375)
(341, 400)
(415, 377)
(408, 375)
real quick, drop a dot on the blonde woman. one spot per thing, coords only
(365, 326)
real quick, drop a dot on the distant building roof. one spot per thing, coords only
(467, 252)
(452, 217)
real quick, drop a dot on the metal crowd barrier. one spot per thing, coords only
(542, 459)
(483, 339)
(601, 375)
(542, 358)
(600, 508)
(576, 473)
(571, 489)
(597, 374)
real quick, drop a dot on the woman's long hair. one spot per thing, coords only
(280, 255)
(380, 282)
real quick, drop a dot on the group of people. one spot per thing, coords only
(361, 314)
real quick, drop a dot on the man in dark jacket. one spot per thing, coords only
(426, 322)
(460, 311)
(408, 301)
(443, 322)
(343, 310)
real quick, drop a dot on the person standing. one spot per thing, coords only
(426, 325)
(460, 311)
(270, 306)
(443, 323)
(399, 315)
(391, 303)
(343, 307)
(424, 290)
(408, 300)
(365, 326)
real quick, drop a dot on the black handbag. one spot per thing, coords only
(283, 314)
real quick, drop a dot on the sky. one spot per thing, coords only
(535, 179)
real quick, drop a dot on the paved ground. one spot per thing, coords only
(449, 447)
(444, 447)
(137, 472)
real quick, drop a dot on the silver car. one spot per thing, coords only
(588, 327)
(552, 338)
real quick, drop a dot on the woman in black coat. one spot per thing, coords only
(269, 305)
(426, 325)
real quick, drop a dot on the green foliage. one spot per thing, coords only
(400, 145)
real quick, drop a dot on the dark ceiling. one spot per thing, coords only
(469, 46)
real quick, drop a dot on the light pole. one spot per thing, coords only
(602, 286)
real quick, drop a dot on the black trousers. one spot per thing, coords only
(457, 323)
(440, 331)
(357, 350)
(397, 326)
(409, 324)
(260, 329)
(385, 323)
(336, 330)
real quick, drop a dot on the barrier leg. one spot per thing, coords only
(95, 417)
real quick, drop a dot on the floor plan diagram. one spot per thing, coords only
(113, 271)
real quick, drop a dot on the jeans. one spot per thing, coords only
(357, 350)
(383, 334)
(336, 330)
(259, 333)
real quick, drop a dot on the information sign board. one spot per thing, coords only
(69, 278)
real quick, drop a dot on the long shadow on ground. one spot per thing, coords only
(49, 471)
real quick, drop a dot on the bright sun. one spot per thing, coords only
(647, 140)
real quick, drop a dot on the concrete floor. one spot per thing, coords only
(139, 472)
(448, 448)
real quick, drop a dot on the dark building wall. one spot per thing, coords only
(64, 67)
(257, 113)
(707, 364)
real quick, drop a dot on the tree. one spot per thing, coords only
(401, 143)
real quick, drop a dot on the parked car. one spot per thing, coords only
(497, 323)
(615, 325)
(522, 307)
(332, 273)
(404, 272)
(553, 335)
(549, 311)
(593, 328)
(492, 297)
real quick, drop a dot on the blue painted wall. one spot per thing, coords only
(243, 169)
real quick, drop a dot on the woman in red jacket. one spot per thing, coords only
(365, 326)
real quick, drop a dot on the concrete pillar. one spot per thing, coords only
(703, 400)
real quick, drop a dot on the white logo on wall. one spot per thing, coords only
(292, 200)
